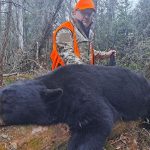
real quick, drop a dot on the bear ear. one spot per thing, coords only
(51, 95)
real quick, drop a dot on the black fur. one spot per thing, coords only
(87, 98)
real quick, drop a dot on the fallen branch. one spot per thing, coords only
(15, 73)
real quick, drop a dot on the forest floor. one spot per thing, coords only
(125, 136)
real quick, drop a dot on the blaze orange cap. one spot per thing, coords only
(84, 4)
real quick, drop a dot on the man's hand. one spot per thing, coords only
(104, 55)
(112, 60)
(110, 53)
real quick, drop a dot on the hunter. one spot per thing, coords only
(73, 40)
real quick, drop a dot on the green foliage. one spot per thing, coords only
(113, 24)
(60, 146)
(137, 58)
(141, 18)
(109, 147)
(125, 29)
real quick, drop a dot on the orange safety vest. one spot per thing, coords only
(55, 57)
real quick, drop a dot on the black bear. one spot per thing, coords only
(89, 99)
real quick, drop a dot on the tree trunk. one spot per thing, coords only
(110, 14)
(49, 25)
(20, 24)
(5, 40)
(0, 20)
(1, 62)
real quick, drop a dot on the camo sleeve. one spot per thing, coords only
(64, 42)
(99, 55)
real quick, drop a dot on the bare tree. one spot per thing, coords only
(1, 70)
(0, 16)
(20, 24)
(5, 40)
(49, 25)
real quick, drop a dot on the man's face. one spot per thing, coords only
(85, 16)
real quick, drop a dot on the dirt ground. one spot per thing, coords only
(125, 136)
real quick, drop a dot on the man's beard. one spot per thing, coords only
(84, 28)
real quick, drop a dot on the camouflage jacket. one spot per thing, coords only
(64, 42)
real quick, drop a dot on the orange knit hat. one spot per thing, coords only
(84, 4)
